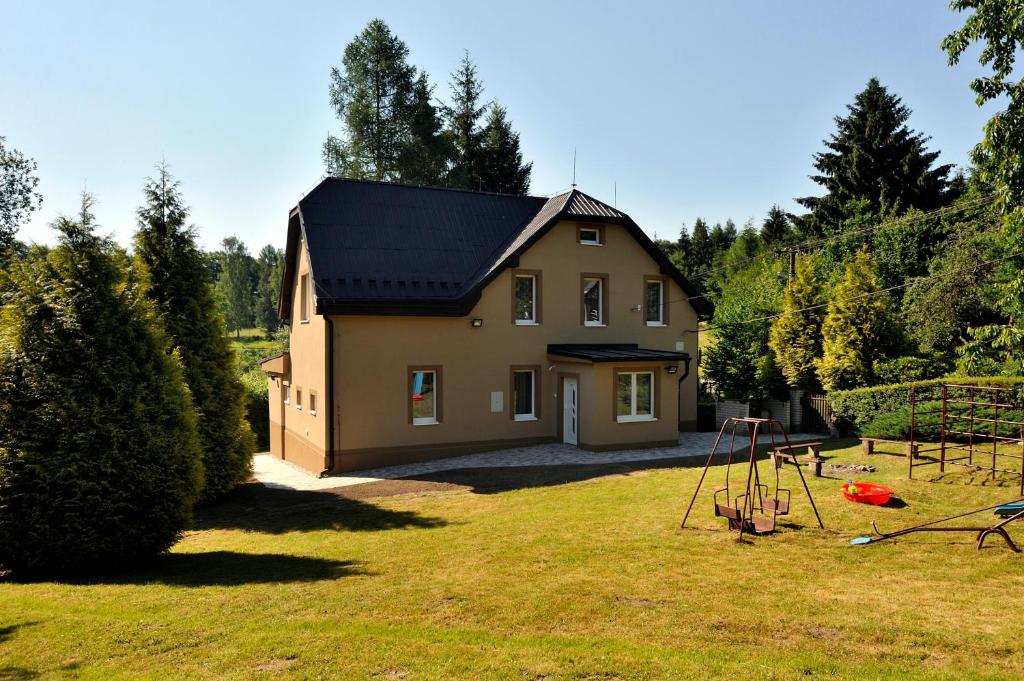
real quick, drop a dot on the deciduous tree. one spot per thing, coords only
(18, 195)
(795, 336)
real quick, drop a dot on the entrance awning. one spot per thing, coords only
(613, 352)
(278, 365)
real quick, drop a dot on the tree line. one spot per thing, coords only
(394, 130)
(901, 270)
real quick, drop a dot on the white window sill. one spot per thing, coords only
(303, 321)
(594, 324)
(634, 419)
(312, 412)
(590, 243)
(526, 322)
(525, 417)
(287, 402)
(656, 324)
(299, 407)
(425, 422)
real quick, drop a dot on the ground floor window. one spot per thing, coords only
(424, 392)
(524, 394)
(634, 396)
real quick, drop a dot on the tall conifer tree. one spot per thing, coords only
(99, 457)
(462, 118)
(174, 276)
(501, 167)
(873, 155)
(795, 337)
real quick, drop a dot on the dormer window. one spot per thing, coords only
(590, 236)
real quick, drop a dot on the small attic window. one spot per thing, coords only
(590, 236)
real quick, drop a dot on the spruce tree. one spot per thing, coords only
(501, 167)
(99, 457)
(702, 250)
(424, 152)
(795, 337)
(873, 155)
(462, 127)
(859, 328)
(775, 228)
(174, 277)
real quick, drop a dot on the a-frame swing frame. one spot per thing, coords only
(745, 519)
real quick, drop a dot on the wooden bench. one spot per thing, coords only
(786, 453)
(869, 445)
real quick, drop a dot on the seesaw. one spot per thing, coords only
(1008, 513)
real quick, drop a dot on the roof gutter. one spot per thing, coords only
(329, 323)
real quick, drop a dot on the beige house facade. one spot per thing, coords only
(427, 323)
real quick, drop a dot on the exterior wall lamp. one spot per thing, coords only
(672, 368)
(477, 322)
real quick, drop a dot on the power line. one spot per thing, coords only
(905, 284)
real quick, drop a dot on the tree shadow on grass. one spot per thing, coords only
(255, 508)
(17, 674)
(227, 568)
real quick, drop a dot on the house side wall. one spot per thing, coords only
(304, 434)
(373, 355)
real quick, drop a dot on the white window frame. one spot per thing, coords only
(590, 242)
(532, 321)
(600, 301)
(532, 415)
(633, 417)
(427, 420)
(287, 389)
(660, 321)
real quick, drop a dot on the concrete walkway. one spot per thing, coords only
(280, 474)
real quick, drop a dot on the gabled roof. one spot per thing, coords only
(391, 249)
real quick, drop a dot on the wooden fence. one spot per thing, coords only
(817, 414)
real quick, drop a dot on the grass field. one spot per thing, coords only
(589, 579)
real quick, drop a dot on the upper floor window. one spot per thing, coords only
(298, 398)
(312, 403)
(287, 390)
(526, 297)
(634, 396)
(304, 298)
(424, 402)
(590, 236)
(594, 292)
(654, 302)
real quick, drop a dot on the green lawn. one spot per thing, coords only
(583, 580)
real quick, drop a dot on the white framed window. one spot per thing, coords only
(304, 298)
(654, 302)
(524, 395)
(424, 405)
(634, 396)
(526, 299)
(312, 403)
(287, 392)
(593, 301)
(590, 237)
(298, 398)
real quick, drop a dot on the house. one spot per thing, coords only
(432, 322)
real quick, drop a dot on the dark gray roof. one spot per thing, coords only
(382, 248)
(614, 352)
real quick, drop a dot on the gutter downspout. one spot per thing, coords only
(330, 397)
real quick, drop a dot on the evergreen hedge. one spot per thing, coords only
(99, 457)
(884, 410)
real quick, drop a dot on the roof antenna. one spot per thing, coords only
(574, 167)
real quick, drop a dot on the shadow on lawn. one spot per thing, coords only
(256, 508)
(227, 568)
(17, 674)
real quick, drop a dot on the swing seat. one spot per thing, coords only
(779, 506)
(1007, 510)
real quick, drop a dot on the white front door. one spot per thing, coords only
(570, 408)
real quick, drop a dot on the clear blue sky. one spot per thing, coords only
(706, 109)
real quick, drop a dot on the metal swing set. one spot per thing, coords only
(755, 509)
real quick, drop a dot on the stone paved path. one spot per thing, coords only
(279, 474)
